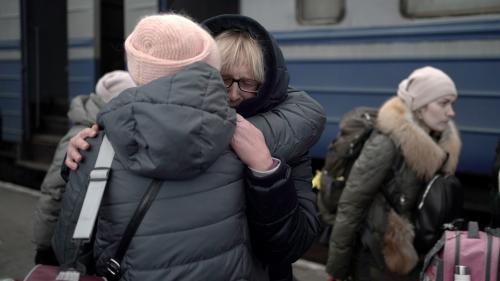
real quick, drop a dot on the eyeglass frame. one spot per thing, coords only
(238, 83)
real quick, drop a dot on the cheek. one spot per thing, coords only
(435, 112)
(430, 117)
(434, 119)
(246, 96)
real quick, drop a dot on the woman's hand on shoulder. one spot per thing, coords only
(249, 144)
(77, 143)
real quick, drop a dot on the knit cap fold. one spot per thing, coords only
(161, 45)
(425, 85)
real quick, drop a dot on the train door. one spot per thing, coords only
(111, 36)
(45, 82)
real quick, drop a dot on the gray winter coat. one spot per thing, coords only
(290, 128)
(360, 236)
(82, 113)
(176, 129)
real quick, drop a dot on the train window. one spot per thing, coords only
(317, 12)
(437, 8)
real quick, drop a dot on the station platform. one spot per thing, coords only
(17, 204)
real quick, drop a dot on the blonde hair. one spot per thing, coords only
(239, 47)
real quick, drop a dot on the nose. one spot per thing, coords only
(232, 92)
(451, 112)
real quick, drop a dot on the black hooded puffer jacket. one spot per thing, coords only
(281, 209)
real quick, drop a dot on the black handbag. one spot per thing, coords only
(440, 204)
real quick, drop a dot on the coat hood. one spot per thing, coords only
(274, 89)
(422, 153)
(171, 128)
(84, 108)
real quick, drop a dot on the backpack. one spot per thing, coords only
(74, 235)
(354, 129)
(440, 204)
(476, 251)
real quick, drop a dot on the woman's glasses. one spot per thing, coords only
(245, 85)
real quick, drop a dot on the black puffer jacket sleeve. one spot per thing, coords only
(281, 207)
(281, 212)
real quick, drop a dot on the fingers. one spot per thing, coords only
(73, 157)
(95, 128)
(89, 132)
(77, 143)
(70, 163)
(73, 154)
(239, 118)
(244, 124)
(79, 139)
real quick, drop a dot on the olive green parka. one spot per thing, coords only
(364, 222)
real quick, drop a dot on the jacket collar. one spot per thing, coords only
(422, 153)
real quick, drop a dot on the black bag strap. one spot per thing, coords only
(113, 264)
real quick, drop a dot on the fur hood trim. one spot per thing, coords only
(422, 153)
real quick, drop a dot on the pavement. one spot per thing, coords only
(17, 204)
(16, 210)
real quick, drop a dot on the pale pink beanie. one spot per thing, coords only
(425, 85)
(161, 45)
(113, 83)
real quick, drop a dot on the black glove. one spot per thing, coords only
(46, 256)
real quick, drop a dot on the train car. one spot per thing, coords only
(343, 53)
(52, 51)
(352, 53)
(10, 72)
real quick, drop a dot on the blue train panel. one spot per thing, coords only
(81, 77)
(10, 95)
(346, 68)
(361, 83)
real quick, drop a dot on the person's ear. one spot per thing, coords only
(418, 113)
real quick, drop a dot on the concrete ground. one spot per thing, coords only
(17, 204)
(16, 250)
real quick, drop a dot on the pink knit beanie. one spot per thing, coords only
(161, 45)
(112, 84)
(425, 85)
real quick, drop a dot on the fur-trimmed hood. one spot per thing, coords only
(422, 153)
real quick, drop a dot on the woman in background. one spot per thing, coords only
(371, 241)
